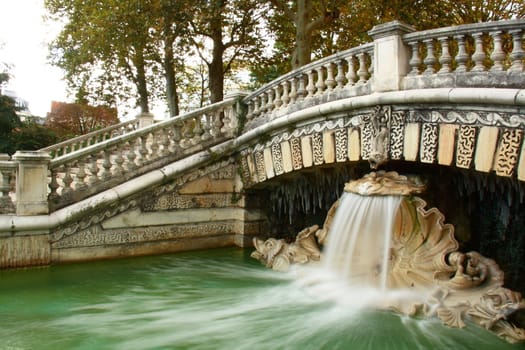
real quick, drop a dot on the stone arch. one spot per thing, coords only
(468, 138)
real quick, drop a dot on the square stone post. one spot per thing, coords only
(145, 119)
(391, 55)
(31, 182)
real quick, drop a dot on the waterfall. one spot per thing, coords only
(358, 248)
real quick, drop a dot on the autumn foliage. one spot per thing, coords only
(72, 119)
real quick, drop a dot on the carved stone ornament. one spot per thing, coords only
(424, 258)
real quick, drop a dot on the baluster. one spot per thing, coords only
(301, 90)
(320, 85)
(67, 180)
(80, 176)
(6, 204)
(285, 98)
(340, 77)
(130, 155)
(293, 90)
(217, 123)
(262, 105)
(187, 135)
(105, 174)
(249, 113)
(462, 56)
(256, 110)
(517, 54)
(269, 101)
(207, 126)
(53, 185)
(143, 150)
(165, 142)
(351, 76)
(277, 102)
(429, 60)
(497, 55)
(479, 55)
(445, 58)
(118, 160)
(226, 121)
(311, 86)
(177, 137)
(154, 146)
(362, 72)
(93, 169)
(197, 131)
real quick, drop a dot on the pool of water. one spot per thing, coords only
(216, 299)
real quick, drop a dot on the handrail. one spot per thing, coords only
(91, 138)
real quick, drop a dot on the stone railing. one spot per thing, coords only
(474, 55)
(76, 143)
(344, 74)
(77, 175)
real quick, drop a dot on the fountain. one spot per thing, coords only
(379, 238)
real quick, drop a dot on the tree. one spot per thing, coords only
(72, 119)
(8, 118)
(105, 46)
(307, 16)
(224, 34)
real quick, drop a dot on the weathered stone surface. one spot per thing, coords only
(485, 148)
(354, 145)
(20, 251)
(447, 143)
(411, 143)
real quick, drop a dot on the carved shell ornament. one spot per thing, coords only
(424, 257)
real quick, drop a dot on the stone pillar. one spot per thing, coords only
(391, 55)
(145, 119)
(31, 182)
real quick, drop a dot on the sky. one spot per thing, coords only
(23, 44)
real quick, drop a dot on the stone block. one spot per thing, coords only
(447, 143)
(411, 141)
(486, 148)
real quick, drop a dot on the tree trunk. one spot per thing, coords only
(216, 66)
(216, 75)
(303, 46)
(169, 72)
(142, 86)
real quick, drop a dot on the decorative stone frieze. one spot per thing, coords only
(465, 146)
(429, 143)
(446, 136)
(297, 158)
(259, 165)
(317, 148)
(341, 145)
(277, 159)
(507, 154)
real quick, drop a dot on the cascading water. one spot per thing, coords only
(359, 246)
(384, 250)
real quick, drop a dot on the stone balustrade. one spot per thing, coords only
(344, 74)
(76, 143)
(473, 55)
(92, 168)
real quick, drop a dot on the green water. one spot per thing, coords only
(217, 299)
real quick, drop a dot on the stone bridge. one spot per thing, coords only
(447, 97)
